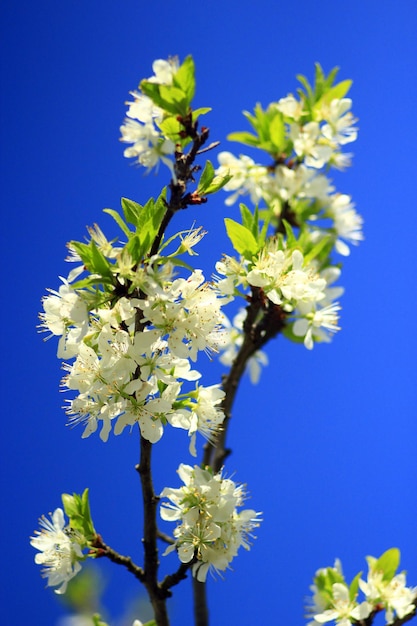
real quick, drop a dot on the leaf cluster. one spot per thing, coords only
(77, 508)
(322, 92)
(270, 131)
(270, 124)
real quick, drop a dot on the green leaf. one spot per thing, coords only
(131, 210)
(388, 563)
(277, 132)
(152, 91)
(97, 621)
(93, 259)
(147, 221)
(244, 137)
(138, 246)
(176, 97)
(217, 183)
(77, 508)
(83, 250)
(248, 220)
(184, 78)
(334, 93)
(205, 178)
(242, 238)
(152, 216)
(118, 219)
(354, 586)
(200, 111)
(291, 238)
(303, 80)
(99, 263)
(168, 97)
(338, 91)
(171, 129)
(262, 235)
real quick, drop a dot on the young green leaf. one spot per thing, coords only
(248, 220)
(97, 621)
(119, 221)
(244, 137)
(242, 238)
(200, 111)
(277, 131)
(388, 563)
(205, 178)
(217, 183)
(99, 263)
(131, 211)
(77, 509)
(354, 586)
(171, 129)
(184, 78)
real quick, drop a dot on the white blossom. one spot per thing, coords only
(339, 128)
(342, 609)
(141, 126)
(308, 144)
(347, 222)
(397, 599)
(318, 324)
(201, 413)
(188, 311)
(290, 107)
(284, 279)
(164, 70)
(247, 176)
(59, 551)
(210, 528)
(65, 315)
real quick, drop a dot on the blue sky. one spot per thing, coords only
(326, 441)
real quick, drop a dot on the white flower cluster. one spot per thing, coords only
(59, 550)
(210, 529)
(286, 280)
(397, 599)
(141, 125)
(125, 374)
(300, 179)
(333, 601)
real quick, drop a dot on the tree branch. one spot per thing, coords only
(173, 579)
(157, 595)
(104, 550)
(264, 320)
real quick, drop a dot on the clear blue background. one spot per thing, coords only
(327, 441)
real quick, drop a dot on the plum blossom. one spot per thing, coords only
(347, 222)
(201, 413)
(210, 528)
(65, 315)
(140, 127)
(342, 609)
(397, 599)
(339, 128)
(247, 176)
(307, 144)
(189, 312)
(317, 324)
(59, 550)
(284, 279)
